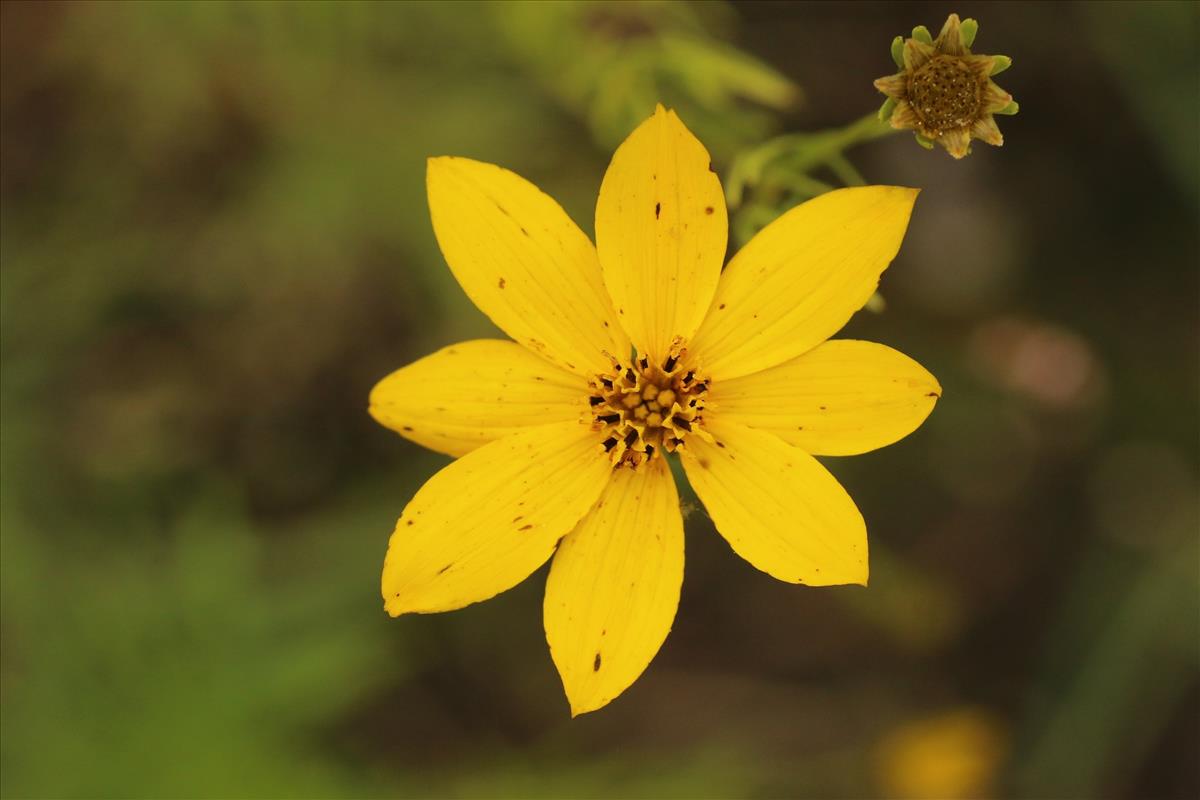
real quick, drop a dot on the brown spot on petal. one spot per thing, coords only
(596, 663)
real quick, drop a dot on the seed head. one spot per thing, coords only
(943, 92)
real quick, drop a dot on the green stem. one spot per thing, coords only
(864, 129)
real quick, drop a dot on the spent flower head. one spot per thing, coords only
(623, 354)
(944, 92)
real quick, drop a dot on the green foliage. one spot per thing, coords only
(610, 63)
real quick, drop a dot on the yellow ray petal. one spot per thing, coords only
(841, 398)
(471, 393)
(524, 263)
(614, 587)
(661, 231)
(801, 278)
(485, 522)
(776, 506)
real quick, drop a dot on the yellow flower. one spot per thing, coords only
(943, 92)
(627, 351)
(951, 755)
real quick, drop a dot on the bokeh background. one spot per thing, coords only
(215, 240)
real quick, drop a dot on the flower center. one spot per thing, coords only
(641, 409)
(945, 94)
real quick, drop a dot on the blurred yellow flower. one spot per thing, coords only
(627, 351)
(951, 756)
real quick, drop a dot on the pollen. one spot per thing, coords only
(642, 409)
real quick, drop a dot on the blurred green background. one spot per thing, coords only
(215, 240)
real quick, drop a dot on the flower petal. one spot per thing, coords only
(904, 118)
(986, 130)
(801, 278)
(614, 586)
(841, 398)
(916, 54)
(994, 98)
(895, 86)
(661, 232)
(524, 263)
(957, 142)
(949, 40)
(485, 522)
(777, 507)
(471, 393)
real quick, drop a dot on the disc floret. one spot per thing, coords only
(642, 409)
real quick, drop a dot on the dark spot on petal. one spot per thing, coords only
(518, 519)
(524, 231)
(721, 445)
(933, 394)
(657, 209)
(721, 306)
(596, 663)
(501, 284)
(443, 569)
(708, 209)
(704, 463)
(407, 428)
(524, 527)
(822, 408)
